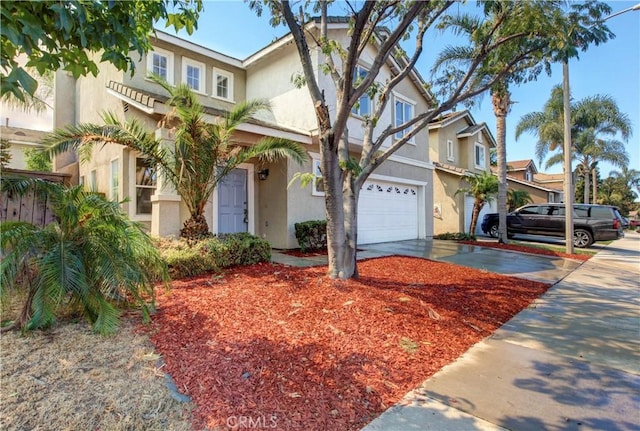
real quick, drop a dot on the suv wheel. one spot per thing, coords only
(493, 231)
(582, 238)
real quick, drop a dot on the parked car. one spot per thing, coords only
(590, 222)
(634, 223)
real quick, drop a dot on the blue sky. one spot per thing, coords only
(612, 68)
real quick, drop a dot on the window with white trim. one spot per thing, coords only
(403, 113)
(528, 176)
(222, 84)
(114, 174)
(450, 151)
(193, 74)
(480, 157)
(145, 185)
(551, 197)
(160, 62)
(317, 189)
(363, 107)
(93, 181)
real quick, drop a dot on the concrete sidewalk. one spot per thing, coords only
(571, 361)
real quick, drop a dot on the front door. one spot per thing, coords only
(232, 202)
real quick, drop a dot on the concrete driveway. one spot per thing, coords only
(533, 267)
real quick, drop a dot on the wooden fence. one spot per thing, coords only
(33, 207)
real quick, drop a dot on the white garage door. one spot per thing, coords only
(491, 207)
(387, 211)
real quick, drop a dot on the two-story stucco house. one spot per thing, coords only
(458, 147)
(395, 204)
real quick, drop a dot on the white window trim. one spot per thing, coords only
(314, 191)
(484, 152)
(372, 108)
(405, 100)
(450, 156)
(165, 53)
(132, 186)
(214, 84)
(186, 61)
(111, 164)
(93, 180)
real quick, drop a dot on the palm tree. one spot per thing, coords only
(483, 187)
(547, 125)
(630, 176)
(92, 257)
(517, 198)
(201, 155)
(595, 119)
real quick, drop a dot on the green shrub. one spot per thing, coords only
(187, 259)
(186, 262)
(455, 236)
(245, 249)
(311, 235)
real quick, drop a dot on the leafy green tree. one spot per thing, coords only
(201, 155)
(38, 160)
(615, 191)
(483, 187)
(91, 257)
(64, 35)
(389, 26)
(517, 198)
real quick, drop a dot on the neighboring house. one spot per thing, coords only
(523, 175)
(458, 147)
(552, 181)
(522, 169)
(20, 140)
(395, 203)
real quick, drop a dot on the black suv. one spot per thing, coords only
(590, 222)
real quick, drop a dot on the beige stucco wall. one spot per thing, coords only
(538, 196)
(451, 214)
(270, 78)
(139, 79)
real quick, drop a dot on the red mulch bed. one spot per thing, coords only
(525, 249)
(299, 253)
(291, 349)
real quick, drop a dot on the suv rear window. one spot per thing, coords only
(602, 213)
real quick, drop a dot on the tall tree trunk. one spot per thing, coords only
(351, 195)
(334, 207)
(594, 177)
(587, 186)
(195, 228)
(501, 100)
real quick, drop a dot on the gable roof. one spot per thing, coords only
(397, 60)
(21, 135)
(532, 184)
(521, 165)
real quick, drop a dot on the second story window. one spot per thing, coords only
(450, 151)
(193, 74)
(403, 113)
(160, 62)
(363, 107)
(222, 84)
(480, 160)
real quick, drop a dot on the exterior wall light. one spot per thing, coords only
(263, 174)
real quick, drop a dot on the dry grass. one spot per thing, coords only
(72, 379)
